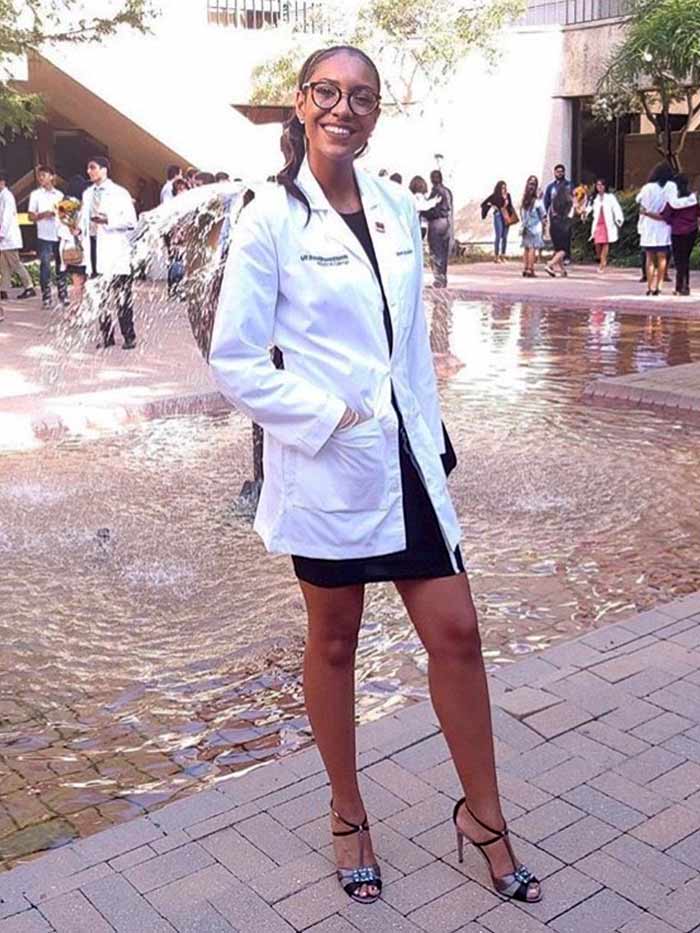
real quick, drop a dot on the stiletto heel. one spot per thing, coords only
(515, 886)
(352, 879)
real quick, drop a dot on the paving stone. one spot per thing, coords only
(647, 924)
(122, 906)
(668, 827)
(644, 623)
(589, 692)
(651, 764)
(510, 730)
(305, 763)
(632, 714)
(535, 761)
(303, 809)
(223, 820)
(679, 783)
(558, 719)
(683, 746)
(528, 672)
(521, 792)
(630, 793)
(399, 851)
(13, 904)
(565, 776)
(449, 912)
(414, 820)
(443, 777)
(674, 702)
(621, 742)
(606, 808)
(314, 904)
(540, 863)
(424, 755)
(681, 909)
(135, 857)
(272, 838)
(399, 781)
(380, 802)
(163, 869)
(687, 851)
(522, 701)
(116, 841)
(31, 921)
(659, 730)
(379, 918)
(573, 654)
(580, 745)
(649, 862)
(184, 902)
(605, 911)
(334, 924)
(619, 669)
(674, 628)
(422, 886)
(173, 840)
(610, 637)
(42, 890)
(236, 854)
(291, 792)
(248, 913)
(546, 820)
(73, 913)
(257, 783)
(622, 878)
(681, 608)
(576, 841)
(191, 810)
(440, 841)
(565, 889)
(647, 681)
(275, 885)
(390, 734)
(507, 918)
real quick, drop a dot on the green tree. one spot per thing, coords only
(27, 25)
(655, 70)
(417, 44)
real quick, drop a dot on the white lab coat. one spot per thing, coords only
(113, 246)
(614, 217)
(10, 233)
(653, 197)
(310, 290)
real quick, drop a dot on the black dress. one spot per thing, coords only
(426, 554)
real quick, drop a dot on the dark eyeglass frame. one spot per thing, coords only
(312, 85)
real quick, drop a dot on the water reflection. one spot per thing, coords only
(150, 646)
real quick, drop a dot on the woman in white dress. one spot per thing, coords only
(654, 234)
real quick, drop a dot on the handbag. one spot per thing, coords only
(72, 255)
(510, 216)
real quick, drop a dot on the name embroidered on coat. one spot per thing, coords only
(342, 260)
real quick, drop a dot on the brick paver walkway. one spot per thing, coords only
(675, 387)
(598, 742)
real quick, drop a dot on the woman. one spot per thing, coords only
(682, 212)
(71, 246)
(608, 218)
(327, 266)
(174, 243)
(561, 219)
(655, 233)
(418, 187)
(532, 217)
(503, 216)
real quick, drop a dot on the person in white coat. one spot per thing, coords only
(608, 219)
(654, 233)
(327, 267)
(107, 218)
(11, 244)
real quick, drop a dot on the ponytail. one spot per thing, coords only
(293, 142)
(293, 145)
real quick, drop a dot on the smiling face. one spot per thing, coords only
(337, 134)
(600, 186)
(45, 179)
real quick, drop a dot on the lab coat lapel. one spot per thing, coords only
(380, 229)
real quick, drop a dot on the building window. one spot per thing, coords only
(571, 12)
(304, 15)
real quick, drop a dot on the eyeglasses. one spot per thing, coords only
(326, 96)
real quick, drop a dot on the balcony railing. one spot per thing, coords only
(304, 15)
(572, 12)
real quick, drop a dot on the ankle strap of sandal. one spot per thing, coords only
(354, 827)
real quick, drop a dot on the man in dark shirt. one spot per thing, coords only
(439, 229)
(560, 180)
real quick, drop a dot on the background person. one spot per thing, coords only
(561, 218)
(166, 192)
(655, 233)
(439, 228)
(504, 216)
(607, 221)
(682, 212)
(532, 218)
(418, 187)
(11, 244)
(107, 219)
(354, 484)
(43, 211)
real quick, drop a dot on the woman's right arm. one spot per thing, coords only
(293, 410)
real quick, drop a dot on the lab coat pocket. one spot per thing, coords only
(348, 474)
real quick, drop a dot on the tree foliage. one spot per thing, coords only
(417, 45)
(655, 70)
(27, 25)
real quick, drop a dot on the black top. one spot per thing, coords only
(497, 202)
(358, 224)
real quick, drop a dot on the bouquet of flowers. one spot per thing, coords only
(68, 209)
(580, 195)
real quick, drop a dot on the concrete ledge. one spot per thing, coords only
(674, 388)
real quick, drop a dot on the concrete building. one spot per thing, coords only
(183, 94)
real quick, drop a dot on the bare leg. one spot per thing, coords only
(604, 250)
(651, 269)
(662, 259)
(443, 613)
(329, 674)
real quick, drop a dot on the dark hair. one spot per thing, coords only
(530, 193)
(683, 185)
(45, 168)
(180, 185)
(173, 171)
(191, 172)
(562, 201)
(102, 161)
(660, 174)
(604, 183)
(397, 177)
(418, 185)
(496, 197)
(222, 176)
(436, 176)
(206, 178)
(560, 165)
(5, 177)
(293, 141)
(76, 186)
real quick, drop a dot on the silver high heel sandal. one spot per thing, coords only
(352, 879)
(515, 886)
